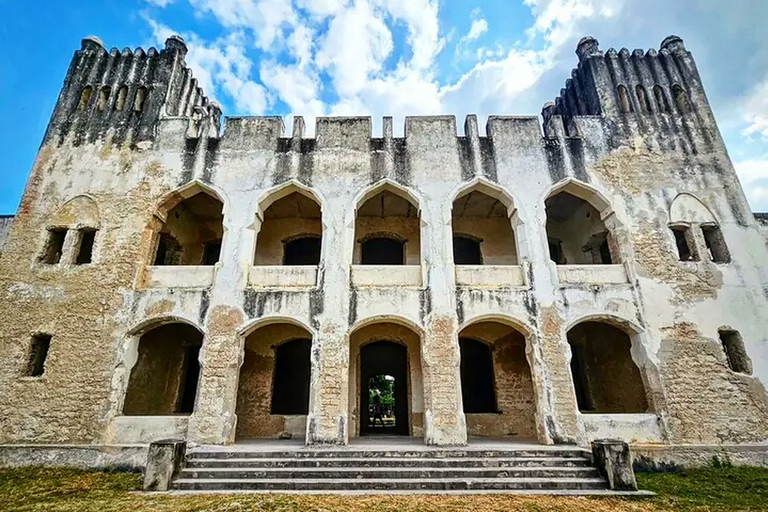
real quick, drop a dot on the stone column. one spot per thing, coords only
(444, 420)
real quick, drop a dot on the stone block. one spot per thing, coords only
(164, 463)
(614, 461)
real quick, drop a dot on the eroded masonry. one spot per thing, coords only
(173, 274)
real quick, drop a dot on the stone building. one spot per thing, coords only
(170, 274)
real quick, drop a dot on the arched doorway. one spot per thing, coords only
(165, 377)
(291, 231)
(273, 389)
(384, 388)
(385, 361)
(496, 383)
(605, 378)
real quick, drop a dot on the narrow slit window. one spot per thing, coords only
(85, 98)
(54, 246)
(38, 352)
(681, 99)
(104, 98)
(733, 344)
(718, 251)
(211, 252)
(685, 246)
(141, 98)
(625, 105)
(642, 99)
(662, 105)
(122, 96)
(85, 246)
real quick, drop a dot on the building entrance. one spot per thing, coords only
(384, 389)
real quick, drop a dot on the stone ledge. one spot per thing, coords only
(657, 457)
(128, 456)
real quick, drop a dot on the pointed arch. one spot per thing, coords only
(524, 328)
(191, 189)
(388, 185)
(487, 187)
(391, 319)
(148, 324)
(686, 208)
(80, 211)
(584, 191)
(283, 190)
(252, 325)
(628, 325)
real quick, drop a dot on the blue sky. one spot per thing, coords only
(385, 57)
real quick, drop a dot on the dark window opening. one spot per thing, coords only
(290, 392)
(556, 252)
(477, 381)
(302, 251)
(642, 99)
(598, 248)
(211, 252)
(141, 97)
(122, 96)
(38, 352)
(681, 99)
(85, 98)
(718, 251)
(605, 253)
(625, 105)
(684, 247)
(85, 246)
(733, 344)
(191, 376)
(580, 384)
(54, 246)
(662, 105)
(168, 251)
(383, 251)
(466, 251)
(103, 98)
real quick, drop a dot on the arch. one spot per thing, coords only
(498, 391)
(285, 214)
(388, 185)
(254, 324)
(628, 325)
(662, 104)
(151, 323)
(625, 103)
(194, 187)
(80, 211)
(642, 99)
(681, 99)
(487, 187)
(606, 378)
(163, 379)
(583, 191)
(282, 190)
(141, 98)
(467, 249)
(389, 319)
(122, 97)
(524, 328)
(104, 94)
(686, 208)
(274, 377)
(85, 98)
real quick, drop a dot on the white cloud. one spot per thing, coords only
(753, 175)
(756, 111)
(160, 3)
(266, 19)
(478, 28)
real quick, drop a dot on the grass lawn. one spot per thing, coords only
(54, 489)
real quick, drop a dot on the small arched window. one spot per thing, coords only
(104, 98)
(122, 96)
(642, 99)
(85, 97)
(662, 105)
(304, 250)
(681, 99)
(625, 105)
(141, 97)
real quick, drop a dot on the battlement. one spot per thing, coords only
(125, 93)
(638, 83)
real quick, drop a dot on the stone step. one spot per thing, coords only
(460, 462)
(395, 484)
(386, 473)
(380, 454)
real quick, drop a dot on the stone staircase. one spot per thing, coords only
(564, 470)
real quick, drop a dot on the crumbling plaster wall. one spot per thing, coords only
(93, 311)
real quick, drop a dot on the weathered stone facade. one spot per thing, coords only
(623, 225)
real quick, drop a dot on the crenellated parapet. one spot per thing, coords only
(622, 84)
(123, 94)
